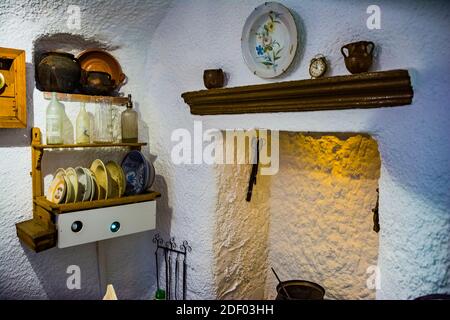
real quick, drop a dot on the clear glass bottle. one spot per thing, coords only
(103, 122)
(54, 121)
(83, 134)
(116, 124)
(129, 123)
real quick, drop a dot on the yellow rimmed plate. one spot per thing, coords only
(103, 179)
(118, 179)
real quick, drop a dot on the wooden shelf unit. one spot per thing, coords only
(89, 145)
(357, 91)
(75, 97)
(79, 206)
(40, 232)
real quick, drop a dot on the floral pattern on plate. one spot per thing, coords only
(269, 40)
(268, 49)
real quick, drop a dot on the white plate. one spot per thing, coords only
(269, 40)
(73, 178)
(84, 182)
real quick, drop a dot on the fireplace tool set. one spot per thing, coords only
(174, 258)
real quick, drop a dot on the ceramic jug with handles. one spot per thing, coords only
(359, 56)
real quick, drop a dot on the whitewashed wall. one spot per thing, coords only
(179, 41)
(125, 28)
(414, 202)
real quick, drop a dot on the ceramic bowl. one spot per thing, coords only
(84, 191)
(70, 193)
(135, 168)
(104, 181)
(118, 178)
(101, 61)
(94, 192)
(89, 184)
(151, 177)
(71, 174)
(115, 179)
(57, 190)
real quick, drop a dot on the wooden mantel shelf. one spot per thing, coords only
(358, 91)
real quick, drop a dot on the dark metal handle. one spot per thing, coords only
(253, 174)
(372, 46)
(342, 51)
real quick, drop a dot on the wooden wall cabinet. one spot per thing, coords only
(13, 91)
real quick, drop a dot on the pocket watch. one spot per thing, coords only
(317, 66)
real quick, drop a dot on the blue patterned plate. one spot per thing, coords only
(135, 168)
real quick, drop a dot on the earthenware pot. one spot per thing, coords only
(213, 78)
(299, 290)
(359, 56)
(58, 72)
(97, 83)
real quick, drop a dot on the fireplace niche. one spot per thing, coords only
(313, 220)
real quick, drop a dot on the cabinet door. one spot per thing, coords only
(13, 108)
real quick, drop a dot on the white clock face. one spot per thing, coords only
(317, 68)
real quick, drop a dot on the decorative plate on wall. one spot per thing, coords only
(269, 40)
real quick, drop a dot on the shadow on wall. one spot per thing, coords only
(50, 267)
(21, 137)
(67, 42)
(415, 135)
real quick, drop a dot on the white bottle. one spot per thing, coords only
(54, 121)
(83, 134)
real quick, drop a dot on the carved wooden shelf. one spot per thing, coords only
(75, 97)
(358, 91)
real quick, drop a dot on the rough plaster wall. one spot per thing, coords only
(241, 233)
(126, 27)
(414, 202)
(197, 35)
(320, 213)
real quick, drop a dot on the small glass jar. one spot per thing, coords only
(116, 124)
(103, 128)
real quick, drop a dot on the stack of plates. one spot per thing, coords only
(79, 184)
(139, 173)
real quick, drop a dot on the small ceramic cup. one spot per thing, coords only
(213, 78)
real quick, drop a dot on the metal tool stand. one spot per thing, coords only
(177, 254)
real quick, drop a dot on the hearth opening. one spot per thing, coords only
(314, 220)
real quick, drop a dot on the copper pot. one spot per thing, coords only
(359, 56)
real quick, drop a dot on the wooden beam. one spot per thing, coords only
(359, 91)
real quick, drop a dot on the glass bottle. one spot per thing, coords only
(103, 122)
(129, 121)
(116, 124)
(83, 126)
(54, 121)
